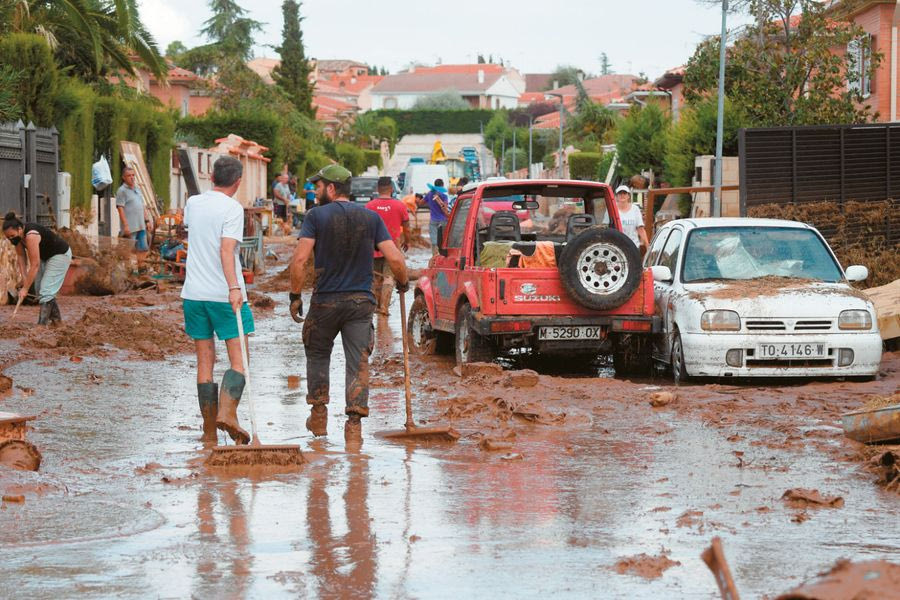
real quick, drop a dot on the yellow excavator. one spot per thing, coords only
(456, 167)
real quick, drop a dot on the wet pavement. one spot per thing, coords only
(122, 507)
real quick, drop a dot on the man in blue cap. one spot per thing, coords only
(345, 236)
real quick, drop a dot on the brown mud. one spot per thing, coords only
(551, 469)
(874, 579)
(150, 336)
(643, 565)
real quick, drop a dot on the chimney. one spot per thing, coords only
(555, 84)
(480, 75)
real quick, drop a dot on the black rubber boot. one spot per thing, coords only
(208, 397)
(229, 397)
(44, 315)
(55, 317)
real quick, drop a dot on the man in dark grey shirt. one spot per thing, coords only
(130, 204)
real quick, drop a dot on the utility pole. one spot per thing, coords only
(530, 162)
(514, 149)
(503, 157)
(559, 161)
(720, 118)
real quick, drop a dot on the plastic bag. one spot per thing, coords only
(101, 176)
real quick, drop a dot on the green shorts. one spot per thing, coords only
(202, 319)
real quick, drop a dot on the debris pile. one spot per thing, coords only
(151, 336)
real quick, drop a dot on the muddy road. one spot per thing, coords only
(575, 486)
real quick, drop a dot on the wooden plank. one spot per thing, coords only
(133, 157)
(887, 308)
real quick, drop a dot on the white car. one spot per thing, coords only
(758, 298)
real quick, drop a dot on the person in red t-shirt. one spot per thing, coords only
(396, 218)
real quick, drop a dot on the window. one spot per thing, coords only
(859, 77)
(669, 256)
(656, 247)
(458, 227)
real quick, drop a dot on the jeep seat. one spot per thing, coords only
(504, 226)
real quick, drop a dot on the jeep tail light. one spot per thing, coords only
(510, 326)
(632, 325)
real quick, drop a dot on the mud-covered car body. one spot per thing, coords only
(507, 307)
(758, 297)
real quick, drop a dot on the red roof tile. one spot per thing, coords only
(429, 81)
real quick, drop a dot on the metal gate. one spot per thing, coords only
(29, 163)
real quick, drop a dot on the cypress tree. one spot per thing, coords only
(292, 75)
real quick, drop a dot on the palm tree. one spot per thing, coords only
(93, 38)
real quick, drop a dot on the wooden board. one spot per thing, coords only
(133, 157)
(887, 307)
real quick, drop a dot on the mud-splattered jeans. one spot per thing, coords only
(352, 318)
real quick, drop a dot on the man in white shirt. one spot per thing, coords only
(631, 217)
(212, 295)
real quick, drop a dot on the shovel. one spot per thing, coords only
(18, 304)
(412, 433)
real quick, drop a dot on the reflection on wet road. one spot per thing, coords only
(126, 511)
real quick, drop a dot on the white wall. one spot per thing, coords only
(404, 101)
(504, 91)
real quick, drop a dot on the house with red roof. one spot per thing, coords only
(481, 85)
(184, 91)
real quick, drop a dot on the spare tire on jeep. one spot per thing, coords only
(600, 268)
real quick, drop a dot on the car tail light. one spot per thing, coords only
(734, 357)
(510, 326)
(845, 357)
(632, 325)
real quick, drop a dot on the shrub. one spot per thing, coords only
(351, 157)
(695, 135)
(372, 158)
(584, 165)
(641, 142)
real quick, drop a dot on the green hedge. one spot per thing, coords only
(584, 165)
(37, 85)
(76, 106)
(90, 124)
(436, 121)
(262, 127)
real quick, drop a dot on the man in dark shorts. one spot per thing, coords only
(344, 236)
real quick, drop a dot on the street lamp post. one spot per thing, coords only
(720, 119)
(561, 108)
(530, 126)
(514, 150)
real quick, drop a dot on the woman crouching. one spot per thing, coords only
(47, 257)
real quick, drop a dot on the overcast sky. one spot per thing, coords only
(637, 35)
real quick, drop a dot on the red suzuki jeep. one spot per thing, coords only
(540, 265)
